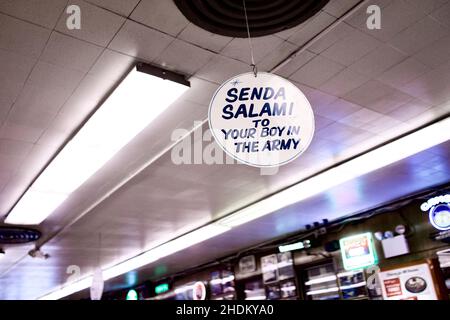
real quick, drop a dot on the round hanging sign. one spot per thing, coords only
(262, 121)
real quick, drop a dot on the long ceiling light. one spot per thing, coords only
(136, 102)
(383, 156)
(402, 148)
(164, 250)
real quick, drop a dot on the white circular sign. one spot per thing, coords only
(263, 121)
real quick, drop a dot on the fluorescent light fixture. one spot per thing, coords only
(402, 148)
(256, 298)
(143, 259)
(320, 280)
(349, 273)
(135, 103)
(291, 247)
(352, 286)
(322, 291)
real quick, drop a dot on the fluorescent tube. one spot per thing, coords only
(135, 103)
(383, 156)
(404, 147)
(143, 259)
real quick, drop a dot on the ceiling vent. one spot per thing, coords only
(18, 235)
(226, 17)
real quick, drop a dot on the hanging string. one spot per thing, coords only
(253, 65)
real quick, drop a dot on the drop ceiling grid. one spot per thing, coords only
(215, 68)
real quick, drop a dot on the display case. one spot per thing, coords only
(353, 285)
(321, 282)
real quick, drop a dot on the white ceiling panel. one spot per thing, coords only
(140, 41)
(160, 15)
(344, 82)
(378, 61)
(363, 91)
(203, 38)
(184, 57)
(122, 7)
(338, 7)
(337, 110)
(351, 48)
(22, 37)
(390, 13)
(339, 32)
(317, 71)
(55, 76)
(262, 46)
(419, 35)
(98, 26)
(442, 14)
(303, 33)
(403, 73)
(435, 54)
(221, 68)
(71, 53)
(15, 67)
(295, 63)
(42, 12)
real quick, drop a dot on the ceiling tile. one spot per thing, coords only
(20, 132)
(276, 56)
(33, 119)
(338, 132)
(410, 110)
(317, 97)
(369, 93)
(352, 48)
(389, 102)
(378, 61)
(341, 31)
(395, 17)
(382, 124)
(239, 48)
(442, 14)
(102, 67)
(42, 98)
(403, 73)
(42, 12)
(435, 54)
(22, 37)
(344, 82)
(317, 71)
(15, 67)
(337, 110)
(338, 7)
(200, 91)
(140, 41)
(184, 57)
(203, 38)
(221, 68)
(432, 87)
(295, 63)
(419, 35)
(98, 26)
(91, 91)
(426, 6)
(69, 52)
(122, 7)
(160, 15)
(361, 117)
(14, 148)
(9, 91)
(55, 76)
(309, 29)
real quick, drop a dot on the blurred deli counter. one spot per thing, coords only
(400, 252)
